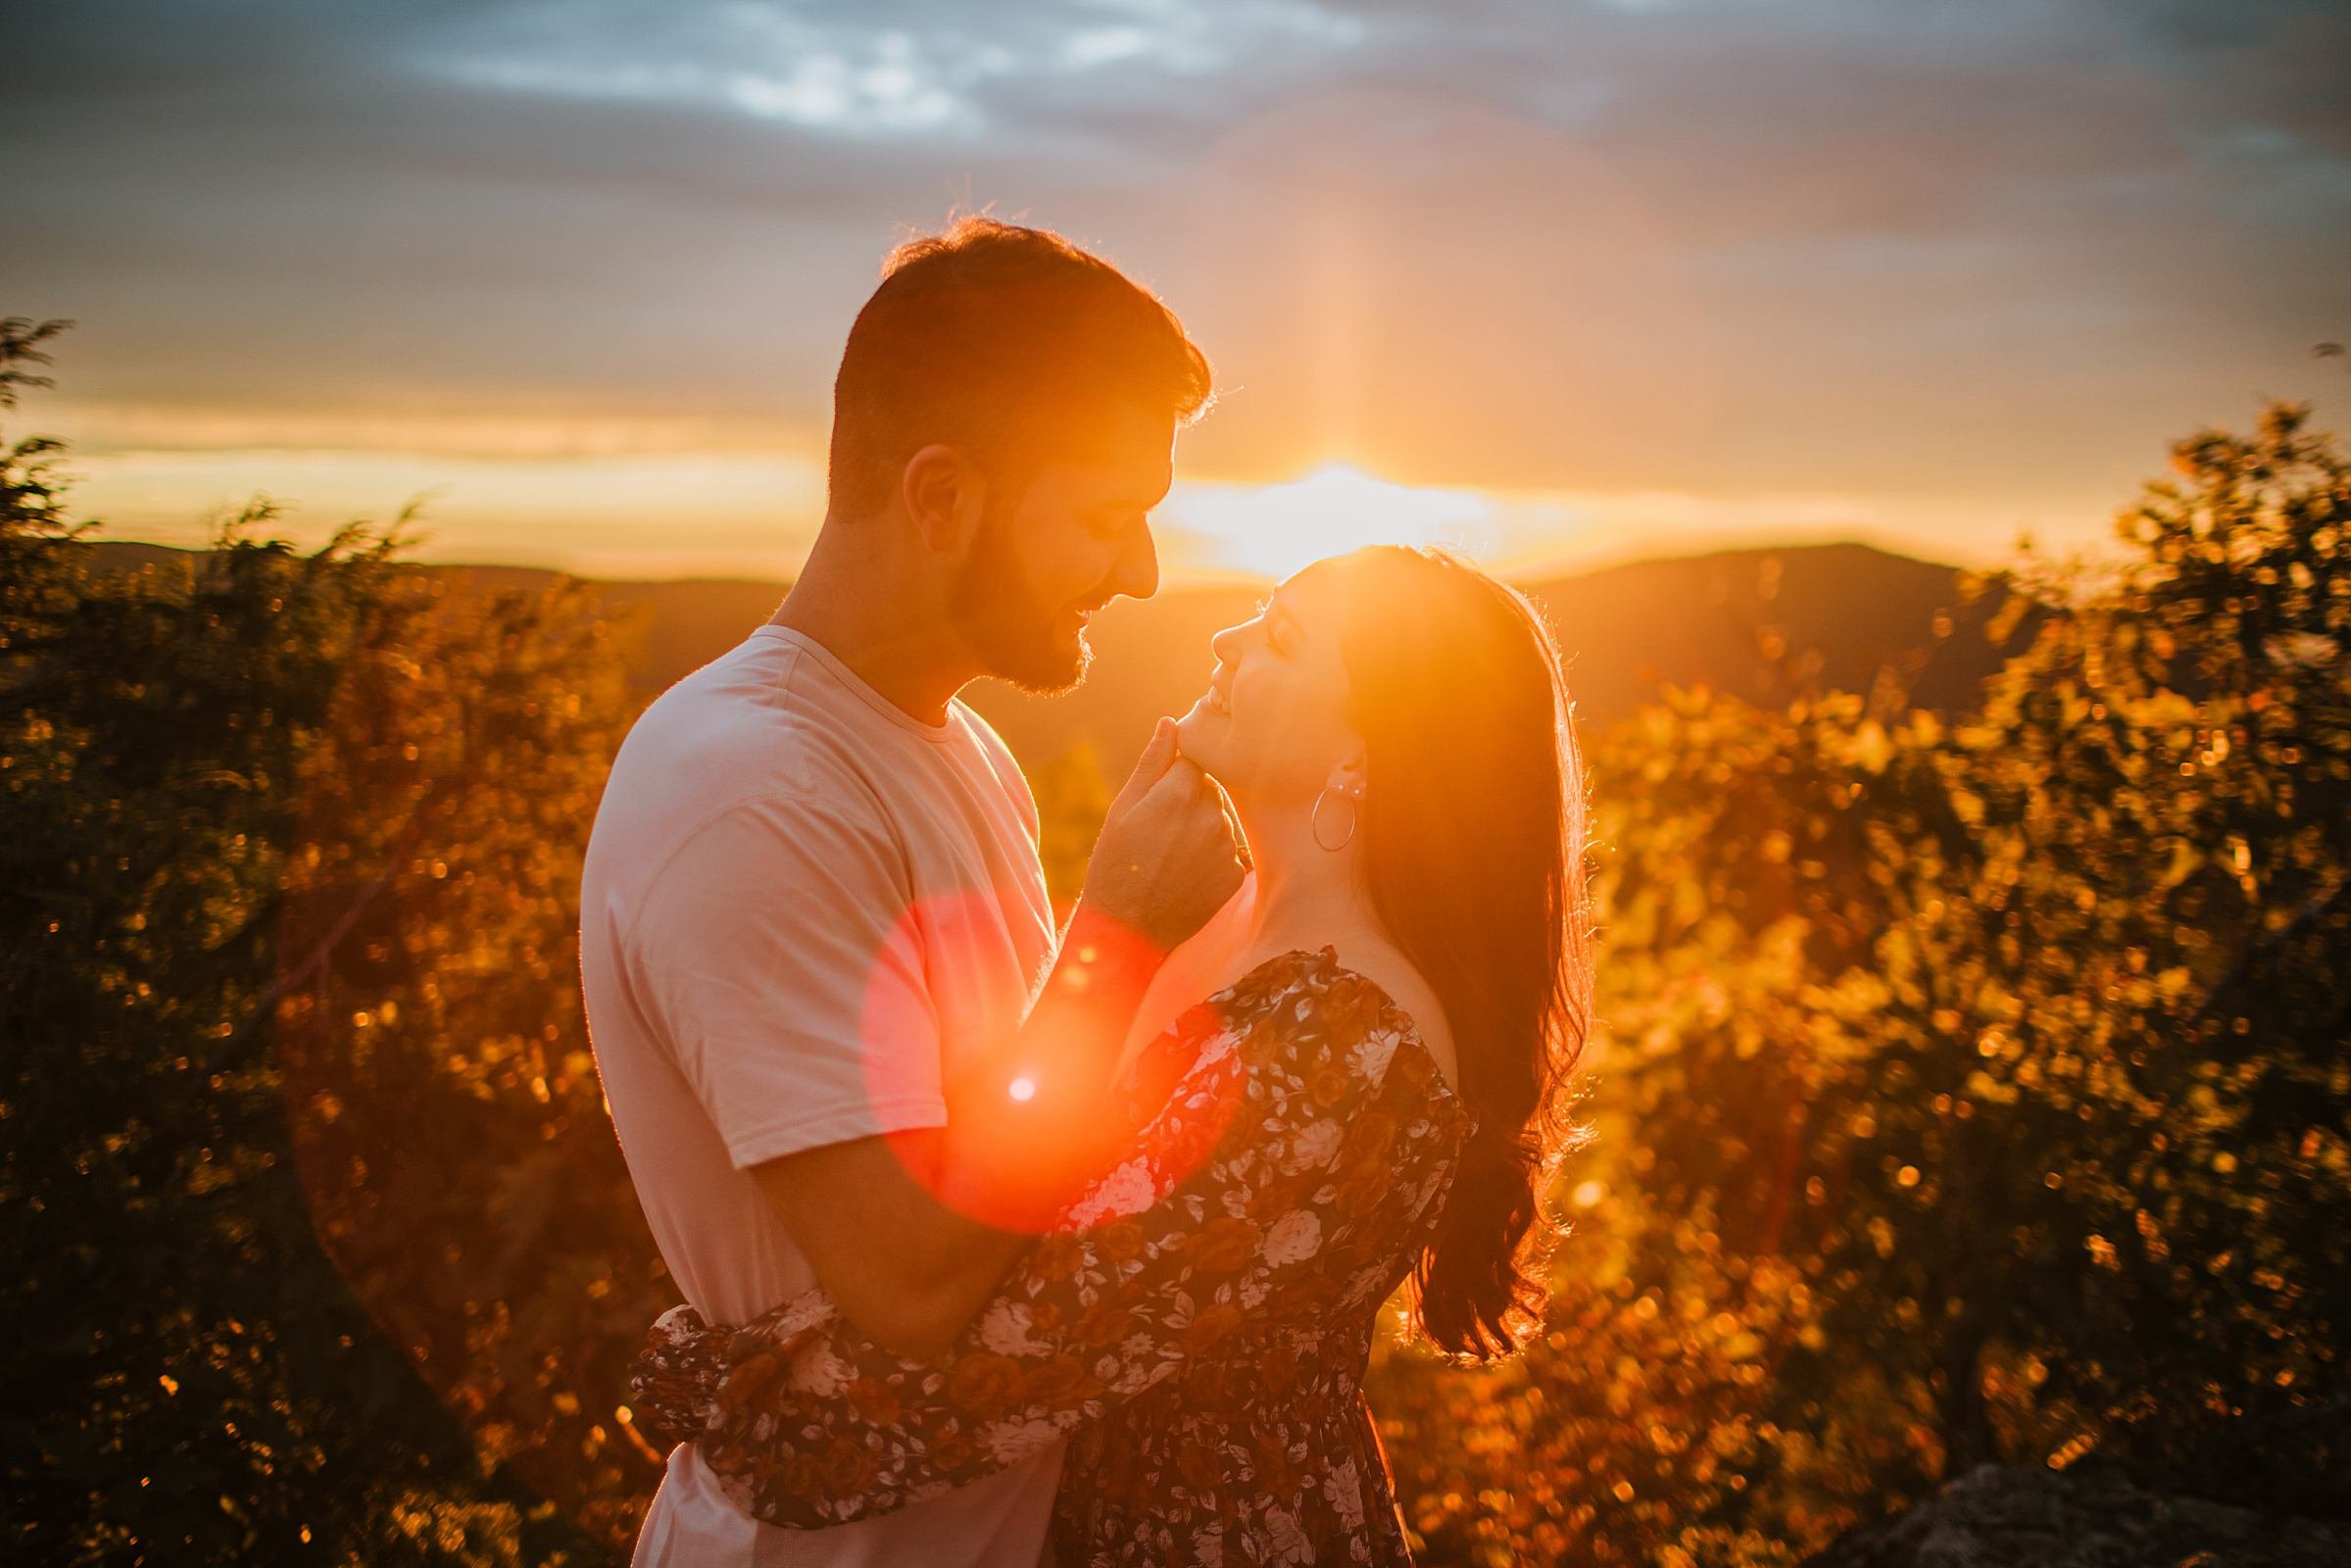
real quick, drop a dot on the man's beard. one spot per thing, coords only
(998, 618)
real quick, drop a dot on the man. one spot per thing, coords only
(839, 1042)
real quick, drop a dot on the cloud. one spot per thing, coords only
(869, 72)
(104, 430)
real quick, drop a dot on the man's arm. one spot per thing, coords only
(1257, 1223)
(898, 1261)
(911, 1232)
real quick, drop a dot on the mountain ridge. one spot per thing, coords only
(1760, 623)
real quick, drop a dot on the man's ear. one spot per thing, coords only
(944, 494)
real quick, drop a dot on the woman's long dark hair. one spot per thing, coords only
(1473, 835)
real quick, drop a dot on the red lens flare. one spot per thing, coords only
(1040, 1109)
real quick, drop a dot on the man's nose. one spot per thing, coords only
(1137, 573)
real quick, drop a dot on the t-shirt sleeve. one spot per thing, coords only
(777, 956)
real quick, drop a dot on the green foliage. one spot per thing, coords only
(1072, 799)
(35, 572)
(447, 1114)
(1971, 1091)
(220, 796)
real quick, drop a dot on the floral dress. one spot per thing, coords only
(1196, 1325)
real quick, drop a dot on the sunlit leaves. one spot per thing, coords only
(191, 1379)
(2012, 1038)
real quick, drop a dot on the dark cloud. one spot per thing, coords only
(1498, 241)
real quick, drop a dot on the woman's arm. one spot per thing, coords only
(1239, 1210)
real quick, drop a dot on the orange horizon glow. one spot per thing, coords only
(668, 514)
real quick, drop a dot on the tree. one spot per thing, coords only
(1975, 1085)
(182, 759)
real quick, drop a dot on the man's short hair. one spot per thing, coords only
(1006, 342)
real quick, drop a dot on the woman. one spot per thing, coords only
(1393, 732)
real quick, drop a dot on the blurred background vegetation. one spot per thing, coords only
(1972, 1082)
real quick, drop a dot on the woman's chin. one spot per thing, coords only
(1196, 739)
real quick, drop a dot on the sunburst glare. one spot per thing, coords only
(1272, 530)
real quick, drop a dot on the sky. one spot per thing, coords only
(1554, 280)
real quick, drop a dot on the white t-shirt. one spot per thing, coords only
(799, 903)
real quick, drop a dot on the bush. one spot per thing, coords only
(1973, 1089)
(233, 799)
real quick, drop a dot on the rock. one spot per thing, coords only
(2091, 1516)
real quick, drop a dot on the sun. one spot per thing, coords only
(1272, 530)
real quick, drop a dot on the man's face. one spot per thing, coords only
(1076, 538)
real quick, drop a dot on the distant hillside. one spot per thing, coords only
(1626, 631)
(1703, 619)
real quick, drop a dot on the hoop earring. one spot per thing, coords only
(1353, 816)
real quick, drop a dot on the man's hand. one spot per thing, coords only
(1167, 859)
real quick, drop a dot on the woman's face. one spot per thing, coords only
(1272, 726)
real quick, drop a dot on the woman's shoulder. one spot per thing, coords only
(1346, 991)
(1411, 992)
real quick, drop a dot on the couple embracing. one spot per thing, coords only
(1007, 1241)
